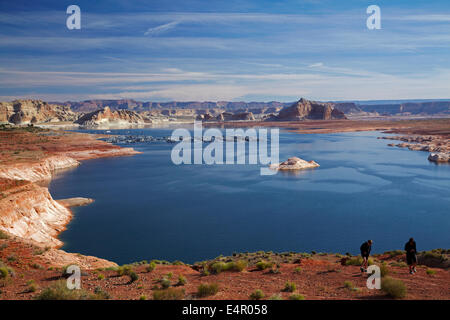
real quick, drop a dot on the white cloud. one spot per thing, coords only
(161, 29)
(316, 65)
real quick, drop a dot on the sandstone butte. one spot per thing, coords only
(28, 211)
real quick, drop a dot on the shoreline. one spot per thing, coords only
(86, 146)
(28, 210)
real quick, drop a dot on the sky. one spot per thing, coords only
(234, 50)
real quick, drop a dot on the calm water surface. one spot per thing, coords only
(148, 208)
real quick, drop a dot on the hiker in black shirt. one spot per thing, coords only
(411, 255)
(365, 252)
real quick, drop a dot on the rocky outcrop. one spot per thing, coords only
(294, 163)
(38, 171)
(75, 202)
(34, 111)
(107, 118)
(439, 157)
(28, 211)
(309, 110)
(60, 258)
(438, 145)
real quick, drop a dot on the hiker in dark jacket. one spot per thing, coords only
(411, 255)
(365, 252)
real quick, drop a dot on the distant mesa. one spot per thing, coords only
(295, 163)
(309, 110)
(106, 117)
(21, 112)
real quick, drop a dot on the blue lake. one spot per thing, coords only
(146, 207)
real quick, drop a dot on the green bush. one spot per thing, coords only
(3, 235)
(165, 283)
(357, 261)
(143, 297)
(238, 265)
(100, 294)
(276, 297)
(349, 285)
(124, 270)
(32, 287)
(181, 280)
(393, 287)
(262, 265)
(289, 287)
(298, 270)
(100, 277)
(384, 270)
(296, 296)
(4, 273)
(395, 253)
(257, 295)
(59, 291)
(150, 267)
(218, 267)
(431, 272)
(169, 294)
(133, 276)
(205, 289)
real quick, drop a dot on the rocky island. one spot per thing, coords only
(294, 163)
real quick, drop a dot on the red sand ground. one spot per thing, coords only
(321, 277)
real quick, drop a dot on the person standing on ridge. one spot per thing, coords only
(411, 255)
(365, 252)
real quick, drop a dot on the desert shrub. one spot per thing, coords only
(434, 254)
(262, 265)
(124, 270)
(257, 295)
(169, 294)
(238, 265)
(289, 287)
(36, 266)
(431, 272)
(181, 280)
(3, 235)
(143, 297)
(384, 270)
(32, 286)
(165, 283)
(59, 291)
(276, 297)
(399, 264)
(357, 261)
(395, 253)
(349, 285)
(177, 263)
(218, 267)
(169, 275)
(100, 277)
(133, 276)
(393, 287)
(4, 273)
(207, 289)
(296, 296)
(150, 267)
(297, 270)
(100, 294)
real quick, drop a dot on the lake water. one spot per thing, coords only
(148, 208)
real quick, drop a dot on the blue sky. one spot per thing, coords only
(225, 50)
